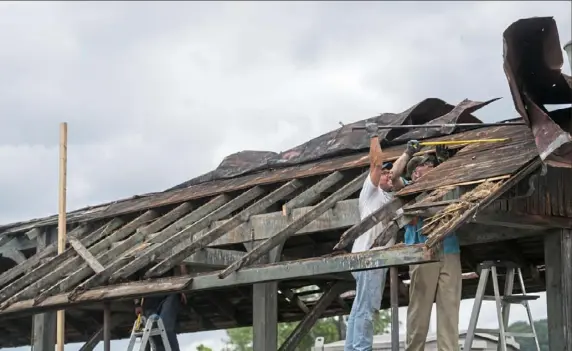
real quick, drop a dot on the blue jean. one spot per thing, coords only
(367, 302)
(167, 310)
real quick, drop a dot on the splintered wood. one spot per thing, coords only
(438, 225)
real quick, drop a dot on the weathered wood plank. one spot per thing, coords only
(69, 266)
(168, 218)
(345, 214)
(33, 261)
(313, 193)
(15, 255)
(114, 259)
(186, 233)
(85, 271)
(372, 259)
(558, 258)
(293, 340)
(191, 218)
(506, 185)
(39, 271)
(257, 208)
(86, 255)
(342, 215)
(383, 214)
(298, 224)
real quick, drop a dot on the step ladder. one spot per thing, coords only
(503, 304)
(153, 326)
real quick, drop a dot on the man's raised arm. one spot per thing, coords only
(375, 153)
(401, 163)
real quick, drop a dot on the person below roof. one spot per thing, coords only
(440, 281)
(383, 179)
(167, 307)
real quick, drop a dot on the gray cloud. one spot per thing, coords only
(156, 93)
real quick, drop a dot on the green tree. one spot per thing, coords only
(331, 329)
(202, 347)
(527, 344)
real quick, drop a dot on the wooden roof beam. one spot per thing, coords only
(216, 213)
(257, 208)
(115, 258)
(313, 193)
(108, 236)
(372, 259)
(36, 259)
(36, 273)
(281, 236)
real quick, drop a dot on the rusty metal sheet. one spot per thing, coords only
(532, 64)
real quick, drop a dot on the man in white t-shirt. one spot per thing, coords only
(377, 189)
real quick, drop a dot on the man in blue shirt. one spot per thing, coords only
(437, 281)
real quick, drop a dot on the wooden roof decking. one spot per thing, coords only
(207, 225)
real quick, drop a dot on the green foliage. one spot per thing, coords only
(527, 344)
(332, 329)
(202, 347)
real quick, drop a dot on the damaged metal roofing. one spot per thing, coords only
(533, 67)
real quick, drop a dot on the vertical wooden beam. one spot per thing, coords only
(62, 223)
(44, 324)
(394, 301)
(106, 326)
(265, 308)
(558, 260)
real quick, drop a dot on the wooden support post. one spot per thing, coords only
(62, 223)
(280, 237)
(310, 319)
(394, 301)
(44, 324)
(106, 326)
(265, 308)
(558, 260)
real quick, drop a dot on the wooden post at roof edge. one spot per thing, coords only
(107, 326)
(60, 334)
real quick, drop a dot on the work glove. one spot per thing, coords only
(371, 129)
(443, 153)
(413, 146)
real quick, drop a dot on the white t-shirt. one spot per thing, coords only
(371, 198)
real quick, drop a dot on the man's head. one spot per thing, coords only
(385, 180)
(418, 166)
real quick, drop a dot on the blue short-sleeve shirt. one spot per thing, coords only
(413, 236)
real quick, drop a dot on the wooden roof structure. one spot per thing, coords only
(310, 208)
(291, 225)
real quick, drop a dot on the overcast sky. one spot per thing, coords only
(157, 93)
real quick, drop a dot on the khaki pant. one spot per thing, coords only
(439, 282)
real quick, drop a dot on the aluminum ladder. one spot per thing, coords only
(150, 330)
(503, 303)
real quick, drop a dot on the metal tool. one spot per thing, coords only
(457, 142)
(503, 304)
(147, 333)
(449, 125)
